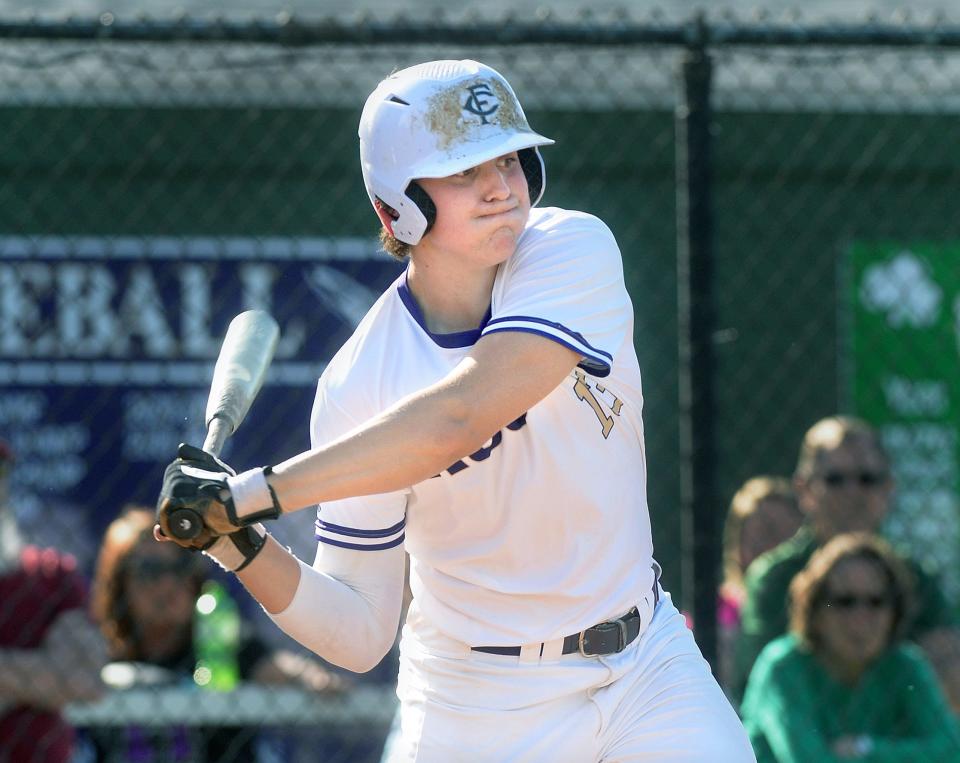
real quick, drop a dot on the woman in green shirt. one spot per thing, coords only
(841, 685)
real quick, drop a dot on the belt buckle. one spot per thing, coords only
(619, 625)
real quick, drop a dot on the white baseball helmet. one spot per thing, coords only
(436, 119)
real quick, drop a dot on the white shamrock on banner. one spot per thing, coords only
(902, 288)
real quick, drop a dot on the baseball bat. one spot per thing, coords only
(241, 366)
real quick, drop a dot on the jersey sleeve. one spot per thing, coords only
(363, 523)
(566, 283)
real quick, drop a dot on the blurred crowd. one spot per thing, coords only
(70, 638)
(834, 644)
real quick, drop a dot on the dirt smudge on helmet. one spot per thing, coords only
(459, 114)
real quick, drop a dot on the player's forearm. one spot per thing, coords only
(409, 443)
(420, 436)
(504, 376)
(272, 577)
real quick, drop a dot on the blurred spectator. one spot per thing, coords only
(843, 484)
(145, 593)
(763, 514)
(942, 648)
(50, 650)
(841, 685)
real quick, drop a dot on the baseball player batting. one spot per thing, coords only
(485, 419)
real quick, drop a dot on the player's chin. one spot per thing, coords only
(507, 227)
(501, 244)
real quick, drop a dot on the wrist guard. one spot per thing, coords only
(235, 551)
(251, 498)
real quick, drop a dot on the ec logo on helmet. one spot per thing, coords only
(481, 102)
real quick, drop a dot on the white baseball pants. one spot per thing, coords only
(655, 702)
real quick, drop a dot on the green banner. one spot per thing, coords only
(904, 376)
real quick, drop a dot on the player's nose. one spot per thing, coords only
(494, 182)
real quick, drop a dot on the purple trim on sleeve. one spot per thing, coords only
(597, 363)
(559, 326)
(363, 547)
(357, 533)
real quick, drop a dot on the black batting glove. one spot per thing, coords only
(195, 488)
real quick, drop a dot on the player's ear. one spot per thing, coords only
(387, 215)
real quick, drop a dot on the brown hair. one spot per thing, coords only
(829, 434)
(744, 503)
(808, 591)
(393, 246)
(121, 539)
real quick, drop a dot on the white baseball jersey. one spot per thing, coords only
(544, 531)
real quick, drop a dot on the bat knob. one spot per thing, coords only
(185, 524)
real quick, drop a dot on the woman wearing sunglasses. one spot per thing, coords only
(841, 685)
(144, 598)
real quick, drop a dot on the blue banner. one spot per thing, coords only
(107, 347)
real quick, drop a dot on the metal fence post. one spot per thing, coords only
(696, 318)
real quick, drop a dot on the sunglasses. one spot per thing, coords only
(848, 601)
(146, 570)
(862, 478)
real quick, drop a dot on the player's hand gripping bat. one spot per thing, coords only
(245, 355)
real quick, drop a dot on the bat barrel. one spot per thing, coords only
(238, 374)
(241, 366)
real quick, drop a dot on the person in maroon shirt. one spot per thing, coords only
(51, 653)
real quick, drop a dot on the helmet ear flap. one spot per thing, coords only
(530, 162)
(532, 165)
(424, 203)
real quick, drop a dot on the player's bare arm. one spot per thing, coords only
(504, 376)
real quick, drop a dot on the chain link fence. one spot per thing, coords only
(160, 178)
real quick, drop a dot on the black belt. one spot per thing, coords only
(603, 638)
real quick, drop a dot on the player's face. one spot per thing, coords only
(772, 522)
(481, 212)
(849, 490)
(854, 622)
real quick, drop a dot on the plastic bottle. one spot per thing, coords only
(216, 638)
